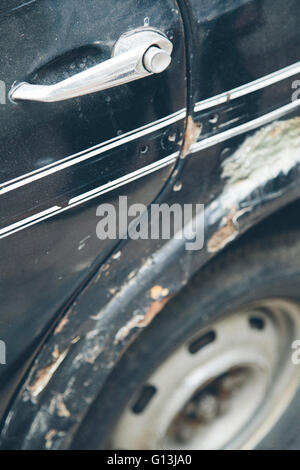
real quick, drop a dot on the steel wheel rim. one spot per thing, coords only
(182, 405)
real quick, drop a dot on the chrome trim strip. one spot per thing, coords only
(29, 221)
(248, 126)
(248, 88)
(92, 152)
(205, 143)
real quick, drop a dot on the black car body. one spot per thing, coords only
(169, 138)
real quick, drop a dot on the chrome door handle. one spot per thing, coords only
(135, 55)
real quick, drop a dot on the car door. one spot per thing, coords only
(60, 159)
(246, 68)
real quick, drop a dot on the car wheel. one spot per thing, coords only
(214, 370)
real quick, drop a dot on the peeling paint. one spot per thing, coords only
(153, 310)
(125, 330)
(62, 410)
(271, 151)
(192, 133)
(141, 321)
(89, 355)
(227, 232)
(44, 375)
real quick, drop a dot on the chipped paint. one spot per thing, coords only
(131, 275)
(61, 325)
(117, 255)
(55, 352)
(125, 330)
(192, 133)
(49, 438)
(90, 353)
(141, 321)
(228, 231)
(153, 310)
(62, 410)
(75, 340)
(44, 375)
(156, 292)
(177, 187)
(93, 354)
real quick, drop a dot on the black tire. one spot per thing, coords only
(255, 268)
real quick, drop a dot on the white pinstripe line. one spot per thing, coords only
(249, 87)
(92, 152)
(33, 220)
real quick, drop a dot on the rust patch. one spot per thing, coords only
(158, 291)
(153, 310)
(44, 375)
(141, 321)
(228, 232)
(192, 133)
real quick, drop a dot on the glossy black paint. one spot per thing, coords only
(60, 187)
(226, 47)
(47, 40)
(44, 266)
(236, 42)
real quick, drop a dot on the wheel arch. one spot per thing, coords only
(118, 303)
